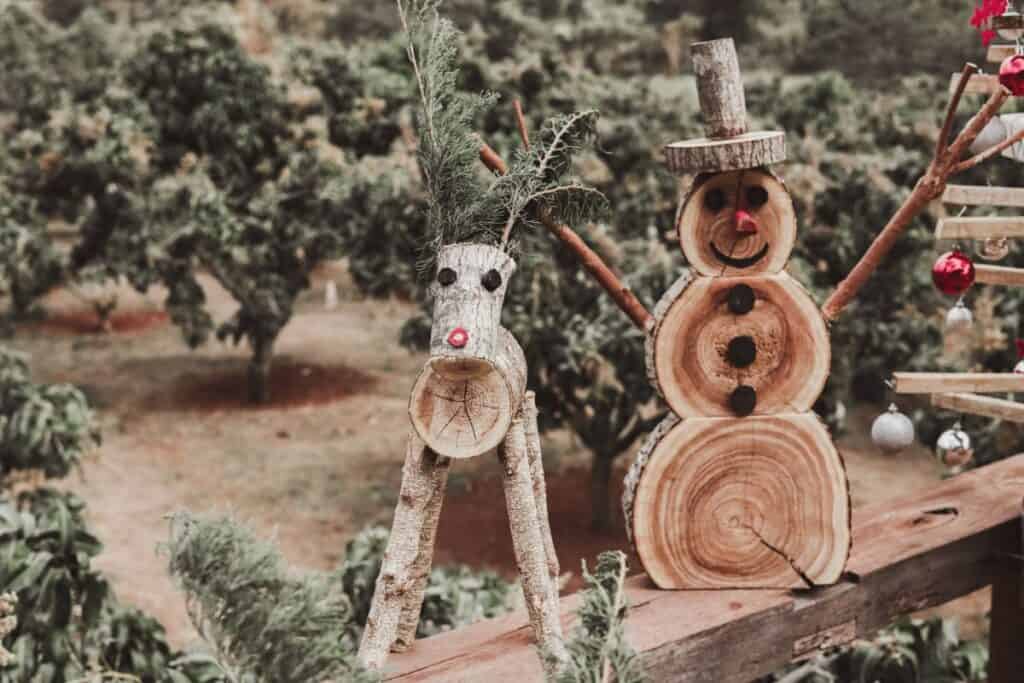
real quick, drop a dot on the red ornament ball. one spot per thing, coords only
(953, 273)
(1011, 74)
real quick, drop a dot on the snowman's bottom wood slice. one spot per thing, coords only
(463, 407)
(754, 503)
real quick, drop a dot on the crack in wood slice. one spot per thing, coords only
(757, 503)
(688, 351)
(707, 224)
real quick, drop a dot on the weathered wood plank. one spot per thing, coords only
(997, 54)
(1007, 655)
(984, 195)
(956, 382)
(999, 275)
(908, 555)
(979, 227)
(985, 406)
(980, 84)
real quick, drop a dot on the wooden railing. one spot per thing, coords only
(908, 555)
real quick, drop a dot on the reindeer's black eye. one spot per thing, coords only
(446, 276)
(714, 200)
(491, 280)
(757, 197)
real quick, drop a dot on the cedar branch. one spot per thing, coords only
(588, 258)
(928, 188)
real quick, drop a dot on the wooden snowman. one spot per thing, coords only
(469, 400)
(741, 486)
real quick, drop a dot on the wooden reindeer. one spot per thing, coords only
(471, 397)
(469, 400)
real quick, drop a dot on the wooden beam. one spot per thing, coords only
(997, 54)
(907, 556)
(999, 275)
(985, 406)
(984, 195)
(979, 227)
(957, 382)
(980, 84)
(1006, 654)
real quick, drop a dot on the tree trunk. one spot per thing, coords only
(600, 490)
(259, 370)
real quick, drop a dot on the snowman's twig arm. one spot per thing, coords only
(621, 294)
(954, 104)
(930, 187)
(978, 159)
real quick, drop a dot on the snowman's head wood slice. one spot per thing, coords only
(737, 223)
(464, 400)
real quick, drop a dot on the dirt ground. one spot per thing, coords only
(324, 460)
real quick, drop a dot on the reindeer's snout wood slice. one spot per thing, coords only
(715, 335)
(708, 229)
(722, 503)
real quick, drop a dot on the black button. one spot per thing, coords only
(446, 277)
(743, 401)
(491, 280)
(741, 299)
(742, 352)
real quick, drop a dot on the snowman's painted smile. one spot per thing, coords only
(733, 262)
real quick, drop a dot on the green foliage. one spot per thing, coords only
(913, 651)
(43, 428)
(598, 651)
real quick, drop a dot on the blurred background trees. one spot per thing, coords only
(253, 141)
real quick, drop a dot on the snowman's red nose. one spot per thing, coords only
(458, 337)
(745, 223)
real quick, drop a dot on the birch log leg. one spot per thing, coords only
(528, 542)
(406, 560)
(540, 493)
(410, 618)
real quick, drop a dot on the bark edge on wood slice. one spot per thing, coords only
(750, 150)
(465, 415)
(725, 503)
(687, 353)
(707, 227)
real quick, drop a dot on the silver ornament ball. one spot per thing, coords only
(954, 449)
(892, 431)
(994, 249)
(959, 318)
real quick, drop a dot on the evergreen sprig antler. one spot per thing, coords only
(460, 209)
(535, 181)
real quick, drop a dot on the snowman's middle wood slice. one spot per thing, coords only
(719, 341)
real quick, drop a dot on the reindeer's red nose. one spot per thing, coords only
(745, 223)
(458, 337)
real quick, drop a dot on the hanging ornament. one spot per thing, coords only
(954, 449)
(1020, 357)
(1011, 74)
(892, 431)
(953, 273)
(994, 249)
(983, 17)
(1009, 24)
(959, 318)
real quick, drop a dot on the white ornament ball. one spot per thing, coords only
(954, 449)
(1020, 368)
(959, 318)
(892, 431)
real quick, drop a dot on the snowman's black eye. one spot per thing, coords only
(446, 276)
(491, 280)
(757, 196)
(714, 200)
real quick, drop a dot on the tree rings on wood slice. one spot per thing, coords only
(463, 407)
(709, 358)
(755, 503)
(708, 228)
(750, 150)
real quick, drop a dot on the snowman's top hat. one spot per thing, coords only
(729, 146)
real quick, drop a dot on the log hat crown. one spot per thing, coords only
(728, 145)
